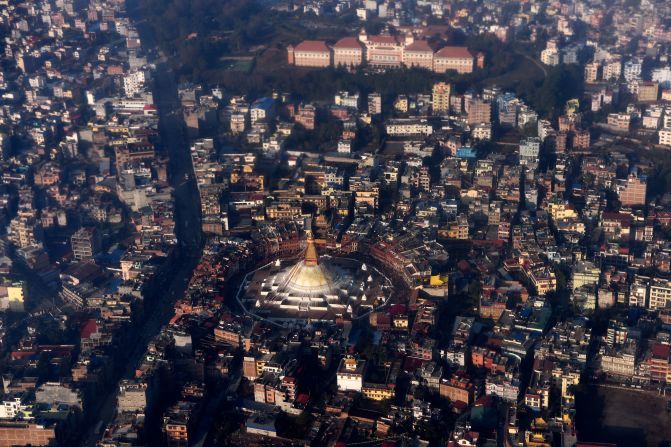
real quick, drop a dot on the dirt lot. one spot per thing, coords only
(624, 417)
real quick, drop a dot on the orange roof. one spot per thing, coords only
(312, 45)
(348, 42)
(419, 45)
(389, 40)
(458, 52)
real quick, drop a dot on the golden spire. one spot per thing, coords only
(311, 256)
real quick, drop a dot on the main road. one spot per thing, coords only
(172, 283)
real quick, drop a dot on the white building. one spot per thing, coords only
(550, 56)
(529, 150)
(545, 129)
(13, 405)
(350, 374)
(665, 136)
(632, 70)
(344, 146)
(262, 109)
(408, 127)
(133, 83)
(482, 132)
(662, 76)
(345, 99)
(660, 293)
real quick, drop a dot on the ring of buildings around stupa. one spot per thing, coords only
(313, 288)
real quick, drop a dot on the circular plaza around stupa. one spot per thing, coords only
(313, 288)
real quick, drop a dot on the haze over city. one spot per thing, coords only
(393, 223)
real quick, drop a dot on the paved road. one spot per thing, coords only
(187, 217)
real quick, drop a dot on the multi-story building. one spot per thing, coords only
(612, 69)
(620, 362)
(374, 104)
(632, 190)
(621, 121)
(348, 52)
(482, 131)
(440, 98)
(134, 82)
(648, 91)
(581, 139)
(178, 422)
(13, 295)
(665, 136)
(25, 230)
(639, 291)
(529, 151)
(310, 53)
(132, 396)
(408, 127)
(418, 54)
(479, 111)
(592, 72)
(457, 389)
(85, 243)
(458, 59)
(383, 51)
(350, 374)
(585, 273)
(660, 293)
(305, 116)
(632, 69)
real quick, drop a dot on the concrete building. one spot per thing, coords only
(408, 127)
(85, 243)
(134, 82)
(529, 151)
(479, 111)
(581, 139)
(418, 54)
(440, 98)
(350, 374)
(592, 72)
(13, 295)
(665, 136)
(621, 121)
(458, 59)
(383, 50)
(648, 91)
(25, 230)
(660, 293)
(374, 104)
(632, 190)
(132, 396)
(310, 53)
(348, 52)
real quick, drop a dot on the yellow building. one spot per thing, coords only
(16, 294)
(440, 98)
(374, 391)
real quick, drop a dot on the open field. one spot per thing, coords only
(624, 417)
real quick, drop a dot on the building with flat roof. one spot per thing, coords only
(350, 374)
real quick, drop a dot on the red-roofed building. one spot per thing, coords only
(453, 58)
(89, 328)
(418, 54)
(348, 52)
(310, 53)
(383, 51)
